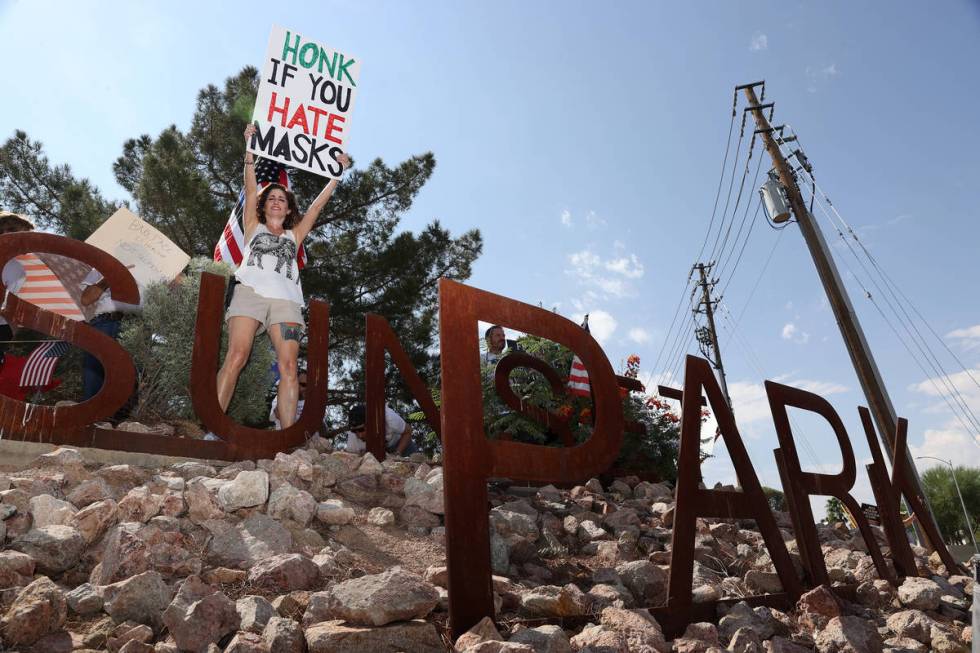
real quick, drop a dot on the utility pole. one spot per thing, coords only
(708, 336)
(868, 375)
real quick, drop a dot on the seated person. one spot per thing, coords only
(398, 433)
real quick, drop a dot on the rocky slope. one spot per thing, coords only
(328, 551)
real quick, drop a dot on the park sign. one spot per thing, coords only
(471, 459)
(302, 110)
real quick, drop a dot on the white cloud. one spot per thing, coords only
(759, 42)
(946, 444)
(968, 338)
(822, 388)
(587, 267)
(601, 324)
(793, 334)
(566, 218)
(639, 335)
(829, 71)
(630, 267)
(593, 221)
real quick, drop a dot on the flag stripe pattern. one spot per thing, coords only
(43, 288)
(578, 376)
(41, 363)
(232, 242)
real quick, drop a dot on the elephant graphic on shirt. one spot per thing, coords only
(282, 248)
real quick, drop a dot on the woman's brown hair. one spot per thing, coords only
(291, 218)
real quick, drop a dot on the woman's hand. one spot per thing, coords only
(249, 132)
(344, 161)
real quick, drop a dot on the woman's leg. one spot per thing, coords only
(241, 334)
(285, 338)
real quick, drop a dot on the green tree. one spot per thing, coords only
(835, 511)
(776, 499)
(945, 502)
(186, 184)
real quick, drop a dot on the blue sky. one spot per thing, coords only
(586, 141)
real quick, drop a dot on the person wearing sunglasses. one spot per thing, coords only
(398, 433)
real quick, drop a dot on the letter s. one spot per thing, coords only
(66, 425)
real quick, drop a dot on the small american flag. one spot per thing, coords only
(232, 241)
(578, 376)
(41, 363)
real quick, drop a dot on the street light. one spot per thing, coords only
(962, 503)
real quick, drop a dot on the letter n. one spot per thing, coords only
(245, 442)
(380, 338)
(693, 501)
(470, 458)
(799, 485)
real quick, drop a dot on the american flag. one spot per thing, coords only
(232, 242)
(41, 363)
(43, 288)
(578, 376)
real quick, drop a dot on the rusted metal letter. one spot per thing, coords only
(470, 458)
(501, 381)
(244, 442)
(799, 485)
(68, 424)
(379, 338)
(888, 495)
(693, 502)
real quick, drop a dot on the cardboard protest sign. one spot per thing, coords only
(306, 95)
(135, 242)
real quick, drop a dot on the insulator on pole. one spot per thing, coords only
(775, 200)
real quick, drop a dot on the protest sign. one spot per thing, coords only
(306, 95)
(136, 243)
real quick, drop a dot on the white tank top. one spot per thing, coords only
(269, 265)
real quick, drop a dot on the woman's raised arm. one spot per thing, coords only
(306, 224)
(250, 216)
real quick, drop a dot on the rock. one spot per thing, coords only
(189, 470)
(284, 573)
(817, 607)
(848, 635)
(202, 500)
(224, 576)
(415, 636)
(122, 478)
(599, 638)
(587, 531)
(876, 593)
(745, 640)
(95, 519)
(254, 613)
(742, 615)
(784, 645)
(284, 636)
(199, 615)
(919, 593)
(53, 548)
(426, 494)
(334, 512)
(48, 511)
(16, 569)
(374, 600)
(60, 457)
(246, 490)
(763, 582)
(363, 489)
(287, 502)
(249, 542)
(483, 631)
(508, 522)
(913, 624)
(697, 638)
(415, 517)
(85, 599)
(554, 601)
(245, 642)
(141, 598)
(39, 609)
(140, 505)
(642, 632)
(381, 517)
(127, 636)
(645, 580)
(544, 639)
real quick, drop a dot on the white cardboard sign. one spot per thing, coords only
(305, 99)
(135, 242)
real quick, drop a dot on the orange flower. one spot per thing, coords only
(565, 410)
(585, 414)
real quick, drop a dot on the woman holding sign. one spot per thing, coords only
(268, 296)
